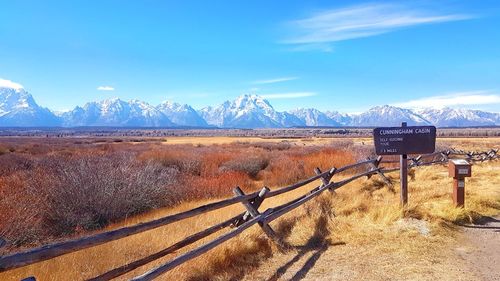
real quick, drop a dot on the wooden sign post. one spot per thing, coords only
(402, 141)
(403, 174)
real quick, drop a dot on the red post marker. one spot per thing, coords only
(459, 169)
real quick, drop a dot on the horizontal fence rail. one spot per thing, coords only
(239, 223)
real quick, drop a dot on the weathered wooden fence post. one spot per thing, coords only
(326, 179)
(444, 156)
(252, 210)
(491, 154)
(375, 166)
(416, 161)
(255, 203)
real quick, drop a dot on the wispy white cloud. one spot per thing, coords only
(105, 88)
(455, 99)
(4, 83)
(275, 80)
(362, 21)
(291, 95)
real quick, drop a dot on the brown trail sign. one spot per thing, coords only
(402, 141)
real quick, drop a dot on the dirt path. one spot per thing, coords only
(345, 262)
(481, 250)
(474, 257)
(329, 260)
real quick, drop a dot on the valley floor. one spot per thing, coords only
(481, 250)
(358, 233)
(473, 256)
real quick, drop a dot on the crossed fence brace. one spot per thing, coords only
(239, 223)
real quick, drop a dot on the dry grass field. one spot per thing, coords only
(358, 233)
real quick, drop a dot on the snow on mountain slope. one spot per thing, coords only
(248, 111)
(449, 117)
(387, 116)
(115, 112)
(19, 109)
(314, 117)
(343, 119)
(182, 115)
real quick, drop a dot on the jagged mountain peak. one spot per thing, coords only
(175, 106)
(117, 113)
(452, 117)
(387, 115)
(246, 100)
(19, 108)
(16, 98)
(387, 109)
(305, 110)
(169, 103)
(248, 111)
(181, 114)
(314, 117)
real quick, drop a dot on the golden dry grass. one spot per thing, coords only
(362, 229)
(370, 239)
(224, 140)
(228, 140)
(363, 216)
(459, 143)
(478, 144)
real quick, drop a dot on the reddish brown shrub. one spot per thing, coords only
(12, 162)
(283, 170)
(292, 167)
(183, 160)
(20, 211)
(62, 195)
(250, 165)
(89, 192)
(62, 187)
(217, 186)
(326, 159)
(271, 146)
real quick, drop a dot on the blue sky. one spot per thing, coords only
(331, 55)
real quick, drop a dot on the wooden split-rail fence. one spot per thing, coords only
(239, 224)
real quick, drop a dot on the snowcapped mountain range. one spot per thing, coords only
(115, 112)
(19, 109)
(248, 111)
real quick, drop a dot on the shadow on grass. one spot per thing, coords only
(245, 258)
(482, 223)
(317, 244)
